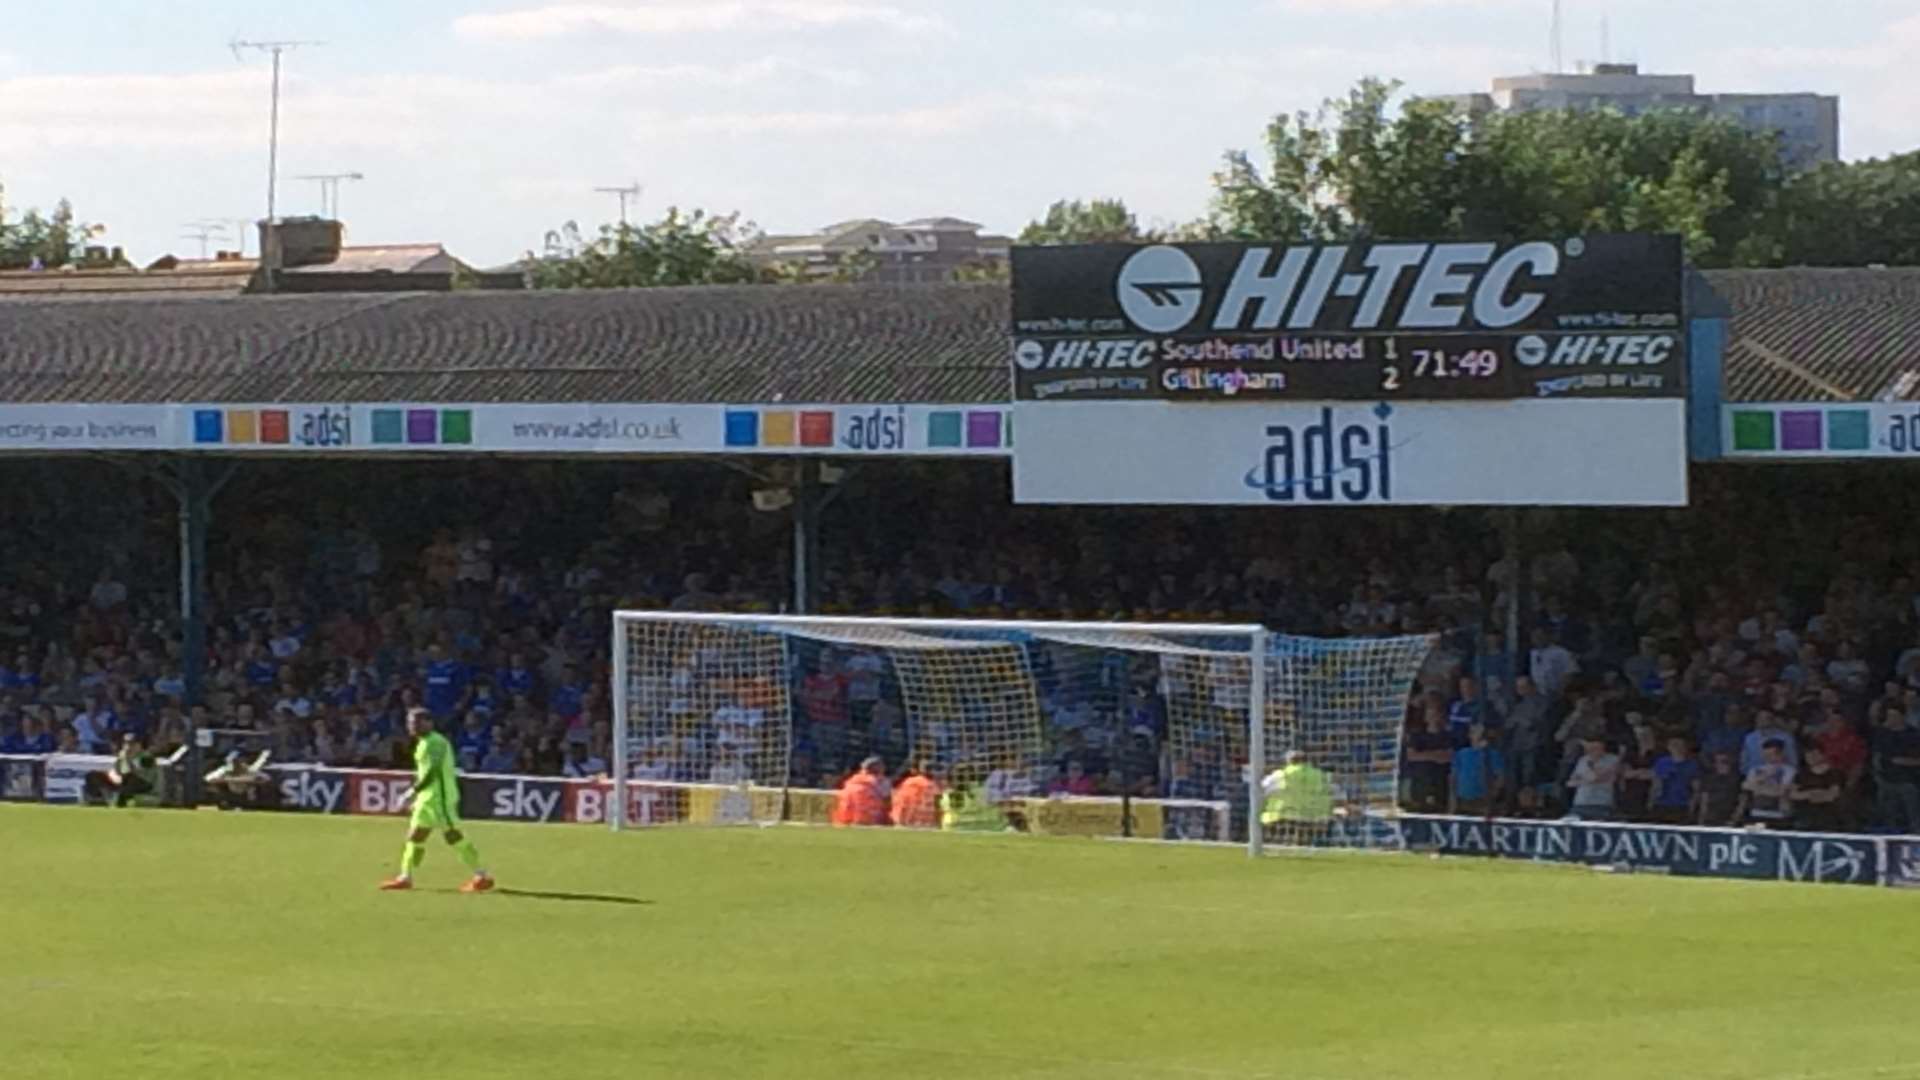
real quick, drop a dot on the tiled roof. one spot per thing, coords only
(751, 343)
(1797, 335)
(1821, 335)
(385, 258)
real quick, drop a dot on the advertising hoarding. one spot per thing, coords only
(1823, 858)
(1494, 453)
(876, 430)
(1887, 430)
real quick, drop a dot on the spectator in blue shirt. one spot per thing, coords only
(1767, 728)
(503, 757)
(12, 736)
(1466, 710)
(517, 677)
(473, 740)
(569, 698)
(1675, 776)
(1728, 736)
(23, 676)
(36, 737)
(446, 682)
(1479, 774)
(262, 671)
(482, 696)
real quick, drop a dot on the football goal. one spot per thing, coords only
(1168, 731)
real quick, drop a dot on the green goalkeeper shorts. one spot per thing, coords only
(434, 814)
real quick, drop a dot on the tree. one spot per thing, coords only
(1100, 221)
(1855, 214)
(51, 240)
(680, 249)
(1359, 167)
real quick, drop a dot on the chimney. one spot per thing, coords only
(302, 241)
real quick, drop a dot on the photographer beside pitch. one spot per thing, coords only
(436, 805)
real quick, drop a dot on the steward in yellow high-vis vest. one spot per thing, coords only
(1299, 803)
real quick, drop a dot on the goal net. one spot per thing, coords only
(1167, 731)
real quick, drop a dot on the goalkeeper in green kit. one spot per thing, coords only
(436, 805)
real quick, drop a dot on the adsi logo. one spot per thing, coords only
(1328, 461)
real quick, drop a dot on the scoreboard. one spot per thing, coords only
(1452, 373)
(1593, 316)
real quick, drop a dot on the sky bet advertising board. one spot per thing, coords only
(1592, 316)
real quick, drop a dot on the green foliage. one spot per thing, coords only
(1360, 166)
(50, 240)
(983, 271)
(1854, 214)
(693, 248)
(1099, 221)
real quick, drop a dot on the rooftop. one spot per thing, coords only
(1796, 335)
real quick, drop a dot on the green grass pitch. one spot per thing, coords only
(166, 944)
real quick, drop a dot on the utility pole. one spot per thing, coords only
(330, 191)
(270, 252)
(631, 191)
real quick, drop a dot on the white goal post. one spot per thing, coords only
(756, 718)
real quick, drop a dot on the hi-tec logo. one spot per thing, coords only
(1330, 460)
(1161, 289)
(1607, 350)
(1102, 354)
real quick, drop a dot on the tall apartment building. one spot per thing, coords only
(1809, 124)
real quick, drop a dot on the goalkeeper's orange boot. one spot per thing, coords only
(398, 884)
(478, 883)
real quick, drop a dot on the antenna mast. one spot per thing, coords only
(270, 252)
(330, 191)
(203, 231)
(1558, 64)
(631, 191)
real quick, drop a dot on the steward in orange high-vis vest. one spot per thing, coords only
(916, 800)
(863, 797)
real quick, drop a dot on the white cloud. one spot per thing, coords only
(1873, 79)
(1130, 20)
(206, 111)
(918, 122)
(752, 73)
(1376, 7)
(690, 17)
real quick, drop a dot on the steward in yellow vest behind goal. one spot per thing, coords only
(1299, 805)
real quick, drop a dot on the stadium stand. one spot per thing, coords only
(481, 590)
(1781, 605)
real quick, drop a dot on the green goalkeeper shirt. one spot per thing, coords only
(433, 772)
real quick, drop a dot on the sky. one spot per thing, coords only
(484, 123)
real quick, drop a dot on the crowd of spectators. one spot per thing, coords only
(1754, 659)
